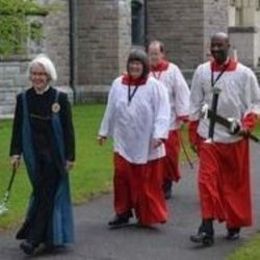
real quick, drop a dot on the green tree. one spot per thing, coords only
(14, 28)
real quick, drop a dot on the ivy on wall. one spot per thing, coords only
(14, 28)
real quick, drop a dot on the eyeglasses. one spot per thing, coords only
(39, 74)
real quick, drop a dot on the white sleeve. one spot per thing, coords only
(252, 94)
(106, 128)
(196, 95)
(182, 93)
(162, 112)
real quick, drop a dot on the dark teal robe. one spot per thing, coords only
(61, 228)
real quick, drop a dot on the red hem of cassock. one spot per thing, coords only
(173, 147)
(224, 183)
(139, 187)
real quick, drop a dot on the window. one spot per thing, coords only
(239, 17)
(232, 2)
(35, 41)
(138, 22)
(258, 5)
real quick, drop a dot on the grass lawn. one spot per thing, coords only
(250, 251)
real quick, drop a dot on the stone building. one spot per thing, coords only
(89, 40)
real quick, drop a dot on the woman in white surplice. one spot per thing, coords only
(137, 118)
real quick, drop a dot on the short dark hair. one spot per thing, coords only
(138, 54)
(161, 45)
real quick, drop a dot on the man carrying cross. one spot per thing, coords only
(223, 179)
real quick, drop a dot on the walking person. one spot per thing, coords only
(171, 77)
(43, 134)
(224, 170)
(137, 118)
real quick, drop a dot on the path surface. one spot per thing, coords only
(171, 241)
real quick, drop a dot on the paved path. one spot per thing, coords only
(170, 241)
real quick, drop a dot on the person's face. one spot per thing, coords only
(135, 69)
(219, 49)
(39, 77)
(155, 55)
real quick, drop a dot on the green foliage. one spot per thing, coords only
(36, 31)
(14, 28)
(250, 251)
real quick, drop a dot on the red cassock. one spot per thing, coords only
(138, 187)
(224, 183)
(224, 178)
(173, 147)
(171, 77)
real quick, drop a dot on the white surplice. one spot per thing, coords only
(178, 90)
(133, 125)
(239, 96)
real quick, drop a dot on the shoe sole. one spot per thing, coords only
(207, 242)
(27, 251)
(119, 226)
(232, 238)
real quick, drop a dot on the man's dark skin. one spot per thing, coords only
(220, 51)
(220, 47)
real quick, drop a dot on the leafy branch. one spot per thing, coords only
(14, 28)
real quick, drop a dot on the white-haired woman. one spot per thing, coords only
(43, 133)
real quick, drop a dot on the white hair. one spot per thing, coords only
(47, 64)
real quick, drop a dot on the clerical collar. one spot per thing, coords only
(130, 81)
(161, 66)
(42, 91)
(229, 65)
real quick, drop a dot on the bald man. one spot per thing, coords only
(170, 75)
(223, 179)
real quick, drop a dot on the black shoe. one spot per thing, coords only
(203, 238)
(233, 234)
(28, 248)
(119, 221)
(205, 235)
(167, 189)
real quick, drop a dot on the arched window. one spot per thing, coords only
(138, 22)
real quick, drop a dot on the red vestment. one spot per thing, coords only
(224, 183)
(138, 187)
(172, 145)
(224, 177)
